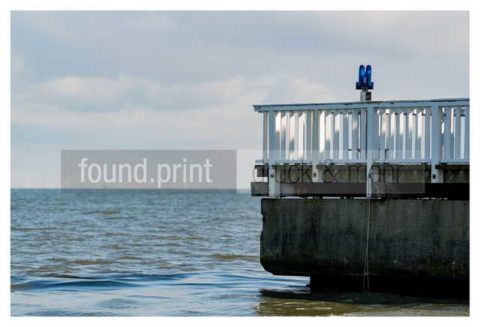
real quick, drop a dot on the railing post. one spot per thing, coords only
(273, 185)
(273, 181)
(408, 133)
(458, 133)
(415, 113)
(296, 137)
(363, 135)
(466, 151)
(286, 153)
(335, 129)
(426, 133)
(283, 134)
(308, 135)
(265, 137)
(315, 147)
(381, 134)
(371, 135)
(352, 123)
(388, 135)
(344, 134)
(447, 135)
(436, 174)
(272, 131)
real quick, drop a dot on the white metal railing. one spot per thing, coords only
(426, 131)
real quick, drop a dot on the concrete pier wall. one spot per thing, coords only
(420, 239)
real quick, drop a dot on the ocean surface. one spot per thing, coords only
(164, 253)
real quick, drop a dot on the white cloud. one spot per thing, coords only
(116, 93)
(183, 79)
(226, 117)
(94, 28)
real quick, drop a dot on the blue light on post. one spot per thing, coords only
(369, 77)
(364, 78)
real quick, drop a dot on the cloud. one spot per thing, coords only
(107, 94)
(295, 31)
(205, 46)
(189, 79)
(113, 94)
(160, 113)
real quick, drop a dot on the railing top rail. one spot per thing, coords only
(362, 105)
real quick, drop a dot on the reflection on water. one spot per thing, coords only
(176, 253)
(301, 302)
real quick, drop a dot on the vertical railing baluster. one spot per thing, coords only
(363, 134)
(278, 134)
(271, 135)
(447, 134)
(315, 148)
(274, 144)
(355, 135)
(308, 135)
(397, 137)
(458, 133)
(265, 137)
(381, 133)
(421, 133)
(408, 138)
(388, 136)
(340, 134)
(291, 135)
(436, 174)
(335, 134)
(426, 134)
(403, 133)
(328, 134)
(301, 136)
(344, 146)
(414, 133)
(315, 136)
(466, 145)
(418, 142)
(376, 140)
(352, 141)
(298, 127)
(372, 141)
(321, 134)
(279, 138)
(288, 130)
(287, 136)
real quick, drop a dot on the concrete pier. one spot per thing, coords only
(424, 242)
(367, 195)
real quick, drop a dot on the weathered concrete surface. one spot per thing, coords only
(423, 239)
(356, 173)
(454, 191)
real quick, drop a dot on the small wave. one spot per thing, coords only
(102, 212)
(128, 257)
(79, 283)
(66, 276)
(92, 262)
(32, 228)
(114, 246)
(70, 285)
(116, 218)
(235, 257)
(177, 238)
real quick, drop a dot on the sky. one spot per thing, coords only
(188, 80)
